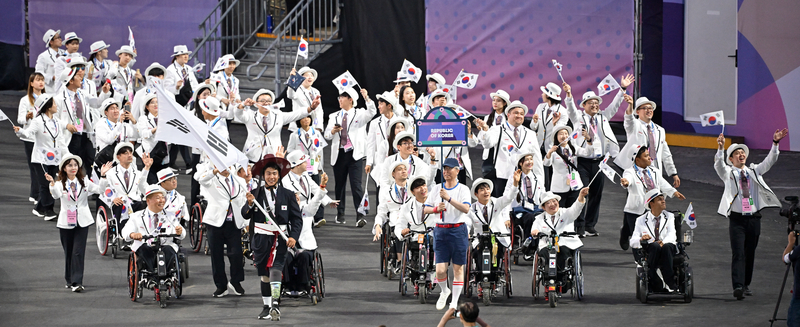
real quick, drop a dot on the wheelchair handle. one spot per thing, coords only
(147, 237)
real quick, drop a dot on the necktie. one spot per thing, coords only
(652, 143)
(647, 180)
(184, 72)
(74, 188)
(516, 134)
(593, 128)
(658, 229)
(528, 187)
(153, 221)
(386, 126)
(303, 185)
(344, 130)
(498, 120)
(486, 213)
(565, 151)
(230, 185)
(78, 108)
(264, 123)
(230, 84)
(745, 184)
(402, 193)
(307, 138)
(127, 179)
(549, 111)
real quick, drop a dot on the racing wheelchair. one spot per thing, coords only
(494, 277)
(553, 279)
(316, 280)
(682, 272)
(167, 279)
(417, 265)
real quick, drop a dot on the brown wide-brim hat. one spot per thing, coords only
(285, 167)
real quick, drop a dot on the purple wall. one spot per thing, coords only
(157, 25)
(510, 44)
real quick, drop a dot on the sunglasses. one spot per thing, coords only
(80, 68)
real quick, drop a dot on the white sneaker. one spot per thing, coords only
(440, 304)
(32, 199)
(37, 213)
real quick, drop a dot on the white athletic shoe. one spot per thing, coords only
(442, 302)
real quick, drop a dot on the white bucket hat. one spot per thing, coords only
(643, 100)
(502, 95)
(296, 158)
(72, 36)
(66, 75)
(165, 174)
(441, 92)
(180, 50)
(395, 165)
(120, 146)
(547, 196)
(108, 102)
(650, 196)
(402, 78)
(516, 104)
(48, 36)
(261, 92)
(477, 183)
(66, 158)
(41, 100)
(224, 61)
(563, 127)
(153, 189)
(436, 77)
(210, 105)
(75, 60)
(734, 147)
(352, 93)
(200, 88)
(97, 46)
(125, 49)
(305, 69)
(154, 66)
(589, 96)
(627, 157)
(388, 96)
(552, 90)
(402, 135)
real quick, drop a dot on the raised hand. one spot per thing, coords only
(721, 141)
(147, 161)
(626, 81)
(779, 135)
(280, 152)
(556, 117)
(105, 168)
(535, 118)
(517, 177)
(49, 179)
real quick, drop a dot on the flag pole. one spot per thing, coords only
(295, 60)
(595, 176)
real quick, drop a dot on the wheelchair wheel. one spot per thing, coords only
(184, 264)
(423, 293)
(383, 262)
(688, 294)
(552, 298)
(507, 273)
(103, 233)
(469, 283)
(643, 287)
(578, 282)
(320, 276)
(133, 277)
(195, 227)
(177, 286)
(535, 276)
(403, 287)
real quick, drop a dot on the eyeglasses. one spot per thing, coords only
(406, 143)
(262, 101)
(646, 108)
(592, 103)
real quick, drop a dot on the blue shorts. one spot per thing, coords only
(451, 245)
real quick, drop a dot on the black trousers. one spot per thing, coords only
(588, 218)
(660, 257)
(499, 186)
(561, 257)
(46, 200)
(148, 256)
(218, 238)
(186, 153)
(81, 146)
(629, 223)
(744, 232)
(297, 271)
(73, 241)
(195, 184)
(321, 211)
(346, 165)
(32, 167)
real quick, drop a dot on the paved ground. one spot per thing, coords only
(32, 293)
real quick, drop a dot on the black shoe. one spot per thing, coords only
(340, 219)
(623, 240)
(747, 291)
(591, 232)
(220, 292)
(37, 213)
(236, 288)
(264, 313)
(361, 221)
(275, 312)
(50, 214)
(738, 293)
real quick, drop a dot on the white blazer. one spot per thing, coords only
(491, 123)
(48, 134)
(646, 224)
(389, 203)
(45, 64)
(301, 100)
(412, 216)
(419, 168)
(766, 198)
(66, 109)
(220, 197)
(498, 211)
(580, 119)
(145, 125)
(377, 145)
(99, 70)
(636, 131)
(260, 141)
(139, 223)
(106, 132)
(537, 186)
(138, 182)
(174, 74)
(636, 188)
(312, 147)
(561, 169)
(81, 203)
(310, 200)
(357, 130)
(565, 218)
(220, 81)
(507, 149)
(24, 108)
(123, 83)
(544, 127)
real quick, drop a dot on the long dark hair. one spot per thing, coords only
(196, 105)
(147, 112)
(402, 101)
(31, 79)
(391, 136)
(47, 105)
(62, 174)
(569, 144)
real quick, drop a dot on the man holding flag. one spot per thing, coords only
(657, 228)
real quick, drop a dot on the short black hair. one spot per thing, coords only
(481, 186)
(641, 151)
(469, 311)
(124, 149)
(381, 100)
(417, 183)
(272, 165)
(73, 40)
(156, 72)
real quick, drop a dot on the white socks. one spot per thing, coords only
(458, 286)
(267, 301)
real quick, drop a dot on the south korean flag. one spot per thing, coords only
(410, 70)
(466, 80)
(607, 85)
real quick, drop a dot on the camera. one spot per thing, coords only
(790, 210)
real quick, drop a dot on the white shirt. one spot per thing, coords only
(458, 194)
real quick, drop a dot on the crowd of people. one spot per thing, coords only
(84, 122)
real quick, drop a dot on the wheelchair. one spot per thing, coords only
(418, 267)
(107, 231)
(553, 279)
(518, 236)
(166, 282)
(684, 277)
(316, 280)
(496, 275)
(197, 231)
(388, 257)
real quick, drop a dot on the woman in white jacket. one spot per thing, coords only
(49, 145)
(74, 219)
(25, 115)
(148, 125)
(563, 157)
(307, 96)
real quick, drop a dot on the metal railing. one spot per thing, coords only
(316, 21)
(231, 26)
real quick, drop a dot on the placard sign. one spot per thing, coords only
(441, 127)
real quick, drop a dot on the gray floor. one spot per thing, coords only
(32, 293)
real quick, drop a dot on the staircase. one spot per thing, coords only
(264, 36)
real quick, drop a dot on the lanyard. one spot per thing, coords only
(215, 122)
(55, 128)
(477, 214)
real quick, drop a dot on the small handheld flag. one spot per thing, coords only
(130, 38)
(302, 48)
(410, 70)
(606, 169)
(607, 85)
(4, 117)
(295, 81)
(363, 208)
(714, 118)
(558, 68)
(344, 82)
(199, 67)
(466, 80)
(689, 217)
(450, 89)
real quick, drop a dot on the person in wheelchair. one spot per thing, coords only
(656, 229)
(310, 198)
(175, 204)
(411, 217)
(150, 222)
(492, 213)
(391, 198)
(127, 183)
(528, 197)
(560, 220)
